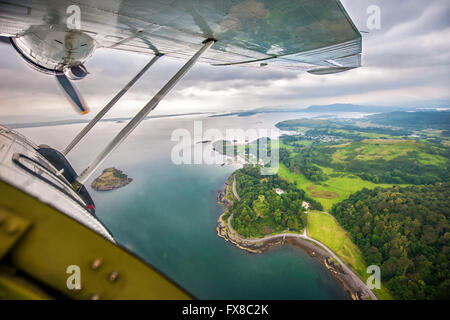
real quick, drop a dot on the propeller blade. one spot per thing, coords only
(72, 93)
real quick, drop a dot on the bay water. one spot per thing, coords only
(168, 214)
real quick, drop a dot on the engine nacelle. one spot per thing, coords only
(51, 50)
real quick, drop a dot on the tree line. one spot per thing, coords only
(404, 230)
(261, 210)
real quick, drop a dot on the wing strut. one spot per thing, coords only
(141, 115)
(100, 115)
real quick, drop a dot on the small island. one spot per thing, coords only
(110, 179)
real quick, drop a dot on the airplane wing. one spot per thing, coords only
(312, 35)
(309, 35)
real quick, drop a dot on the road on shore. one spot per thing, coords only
(303, 236)
(234, 189)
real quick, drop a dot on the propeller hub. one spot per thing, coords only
(76, 72)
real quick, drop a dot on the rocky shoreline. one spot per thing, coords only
(343, 278)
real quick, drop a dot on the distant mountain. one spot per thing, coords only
(238, 113)
(75, 121)
(339, 107)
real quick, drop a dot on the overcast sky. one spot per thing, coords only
(405, 63)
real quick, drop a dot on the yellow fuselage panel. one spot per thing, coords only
(53, 241)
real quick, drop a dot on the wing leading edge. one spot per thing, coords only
(314, 35)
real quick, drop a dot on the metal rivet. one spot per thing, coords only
(95, 297)
(12, 228)
(96, 264)
(78, 290)
(113, 276)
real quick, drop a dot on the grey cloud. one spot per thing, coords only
(406, 62)
(397, 12)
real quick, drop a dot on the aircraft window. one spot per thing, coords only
(40, 170)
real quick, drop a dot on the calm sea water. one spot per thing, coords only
(168, 214)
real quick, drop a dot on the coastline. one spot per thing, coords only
(257, 246)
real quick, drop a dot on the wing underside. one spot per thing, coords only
(295, 34)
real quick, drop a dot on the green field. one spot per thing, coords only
(283, 145)
(324, 228)
(331, 191)
(386, 149)
(344, 157)
(362, 134)
(340, 185)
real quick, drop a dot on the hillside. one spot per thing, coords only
(439, 120)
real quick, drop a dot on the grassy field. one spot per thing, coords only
(323, 227)
(370, 158)
(363, 134)
(387, 149)
(341, 185)
(430, 132)
(326, 229)
(290, 145)
(331, 191)
(282, 145)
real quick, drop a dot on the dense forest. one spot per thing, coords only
(261, 210)
(414, 120)
(406, 232)
(302, 162)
